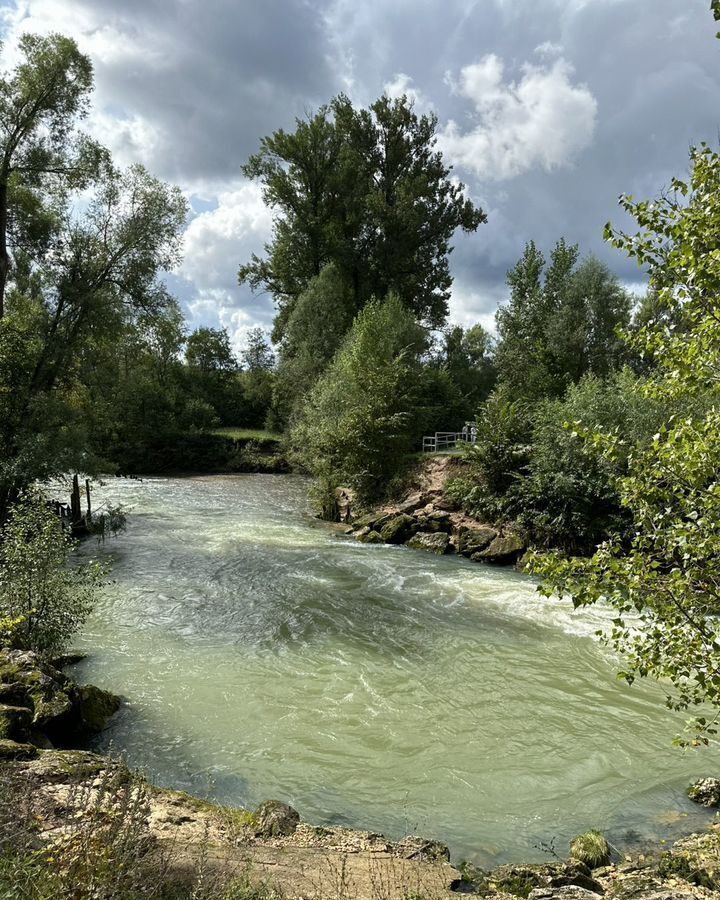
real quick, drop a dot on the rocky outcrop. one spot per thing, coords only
(422, 523)
(41, 707)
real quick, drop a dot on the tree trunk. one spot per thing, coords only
(4, 257)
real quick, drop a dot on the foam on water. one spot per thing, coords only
(264, 655)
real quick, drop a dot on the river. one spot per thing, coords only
(264, 655)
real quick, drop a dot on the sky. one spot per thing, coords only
(548, 110)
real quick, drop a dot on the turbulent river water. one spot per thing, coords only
(262, 654)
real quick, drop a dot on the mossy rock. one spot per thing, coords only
(475, 540)
(275, 819)
(96, 708)
(591, 848)
(437, 542)
(14, 721)
(398, 529)
(503, 549)
(372, 537)
(16, 750)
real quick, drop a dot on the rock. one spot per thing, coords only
(441, 520)
(433, 542)
(413, 847)
(273, 819)
(524, 879)
(503, 549)
(591, 848)
(67, 659)
(447, 504)
(475, 540)
(14, 721)
(96, 706)
(372, 537)
(398, 529)
(705, 791)
(15, 750)
(53, 709)
(413, 503)
(564, 892)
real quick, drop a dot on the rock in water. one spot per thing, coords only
(503, 549)
(273, 819)
(705, 791)
(96, 707)
(398, 529)
(436, 542)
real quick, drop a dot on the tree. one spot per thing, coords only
(41, 152)
(208, 349)
(561, 322)
(258, 355)
(665, 584)
(357, 422)
(366, 191)
(102, 275)
(467, 358)
(45, 596)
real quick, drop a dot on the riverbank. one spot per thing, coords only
(425, 517)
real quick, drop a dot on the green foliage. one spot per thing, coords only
(357, 422)
(663, 585)
(366, 191)
(46, 596)
(467, 357)
(591, 848)
(561, 322)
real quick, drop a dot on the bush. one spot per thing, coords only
(591, 848)
(46, 597)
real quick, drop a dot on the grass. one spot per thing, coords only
(248, 434)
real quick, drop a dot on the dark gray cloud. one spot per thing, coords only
(545, 138)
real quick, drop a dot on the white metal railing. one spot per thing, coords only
(448, 440)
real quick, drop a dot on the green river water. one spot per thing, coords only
(262, 654)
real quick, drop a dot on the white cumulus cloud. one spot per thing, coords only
(541, 121)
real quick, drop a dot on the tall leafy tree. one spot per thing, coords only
(42, 154)
(560, 323)
(367, 191)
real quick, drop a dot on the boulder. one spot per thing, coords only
(14, 721)
(371, 537)
(398, 529)
(412, 503)
(705, 791)
(504, 549)
(475, 540)
(95, 707)
(434, 542)
(274, 819)
(15, 750)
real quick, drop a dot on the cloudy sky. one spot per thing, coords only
(548, 110)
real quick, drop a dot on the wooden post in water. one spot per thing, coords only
(76, 512)
(88, 517)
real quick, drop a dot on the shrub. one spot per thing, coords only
(45, 596)
(591, 848)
